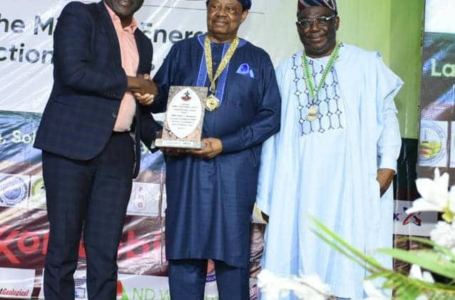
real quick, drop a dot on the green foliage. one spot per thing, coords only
(427, 259)
(438, 260)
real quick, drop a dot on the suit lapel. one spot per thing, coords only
(140, 49)
(138, 106)
(110, 31)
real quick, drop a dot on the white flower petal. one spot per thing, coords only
(415, 272)
(427, 277)
(372, 292)
(444, 235)
(437, 173)
(426, 187)
(306, 287)
(423, 205)
(452, 199)
(443, 182)
(435, 192)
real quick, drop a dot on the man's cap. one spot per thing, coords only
(331, 4)
(245, 3)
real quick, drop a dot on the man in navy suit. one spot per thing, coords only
(98, 111)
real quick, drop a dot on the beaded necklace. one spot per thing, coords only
(213, 102)
(313, 110)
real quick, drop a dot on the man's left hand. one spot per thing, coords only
(145, 100)
(384, 177)
(213, 147)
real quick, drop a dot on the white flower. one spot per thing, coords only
(372, 292)
(444, 235)
(268, 283)
(416, 273)
(435, 194)
(452, 200)
(305, 288)
(312, 288)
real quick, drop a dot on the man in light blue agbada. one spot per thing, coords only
(334, 158)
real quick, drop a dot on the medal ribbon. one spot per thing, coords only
(309, 79)
(223, 64)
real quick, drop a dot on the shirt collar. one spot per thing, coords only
(117, 22)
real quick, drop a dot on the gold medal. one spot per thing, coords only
(312, 113)
(212, 103)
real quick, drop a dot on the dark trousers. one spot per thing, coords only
(89, 197)
(187, 280)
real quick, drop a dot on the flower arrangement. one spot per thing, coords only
(437, 257)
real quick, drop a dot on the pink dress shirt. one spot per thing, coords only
(130, 62)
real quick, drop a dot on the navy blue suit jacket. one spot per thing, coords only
(89, 83)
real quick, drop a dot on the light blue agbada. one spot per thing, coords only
(327, 168)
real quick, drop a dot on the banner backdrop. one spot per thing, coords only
(26, 57)
(26, 54)
(26, 28)
(437, 126)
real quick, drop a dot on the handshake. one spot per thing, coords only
(143, 88)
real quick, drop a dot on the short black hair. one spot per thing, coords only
(246, 4)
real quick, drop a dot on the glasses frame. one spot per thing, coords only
(326, 19)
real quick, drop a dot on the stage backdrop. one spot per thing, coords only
(26, 53)
(26, 28)
(437, 126)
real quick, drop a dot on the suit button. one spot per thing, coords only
(114, 115)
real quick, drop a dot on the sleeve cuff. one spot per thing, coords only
(388, 163)
(230, 143)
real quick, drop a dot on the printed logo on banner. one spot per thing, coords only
(419, 224)
(37, 193)
(16, 283)
(121, 294)
(433, 144)
(13, 189)
(145, 199)
(80, 284)
(131, 287)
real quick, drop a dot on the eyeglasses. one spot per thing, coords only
(321, 21)
(229, 9)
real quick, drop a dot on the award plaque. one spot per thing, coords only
(184, 118)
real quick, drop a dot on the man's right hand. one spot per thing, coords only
(142, 84)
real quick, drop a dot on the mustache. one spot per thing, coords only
(315, 36)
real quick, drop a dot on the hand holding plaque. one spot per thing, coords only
(184, 118)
